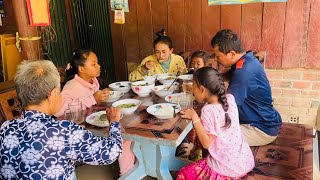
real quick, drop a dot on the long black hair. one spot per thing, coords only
(162, 38)
(211, 80)
(79, 57)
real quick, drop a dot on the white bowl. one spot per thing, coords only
(162, 90)
(176, 97)
(186, 77)
(142, 88)
(164, 114)
(114, 96)
(123, 86)
(150, 79)
(127, 110)
(166, 79)
(164, 74)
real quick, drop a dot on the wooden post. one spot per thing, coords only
(31, 49)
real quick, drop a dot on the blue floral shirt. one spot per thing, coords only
(36, 146)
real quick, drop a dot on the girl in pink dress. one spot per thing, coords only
(218, 130)
(82, 73)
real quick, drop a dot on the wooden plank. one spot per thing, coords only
(176, 26)
(159, 15)
(251, 26)
(119, 57)
(131, 34)
(210, 24)
(273, 32)
(313, 45)
(295, 34)
(145, 28)
(231, 17)
(193, 27)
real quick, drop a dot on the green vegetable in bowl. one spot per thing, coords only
(128, 105)
(146, 84)
(169, 78)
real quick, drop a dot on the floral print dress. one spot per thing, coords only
(36, 146)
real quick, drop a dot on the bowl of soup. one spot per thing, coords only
(166, 79)
(114, 96)
(127, 106)
(123, 86)
(142, 88)
(150, 79)
(164, 90)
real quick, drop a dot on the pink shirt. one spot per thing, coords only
(77, 88)
(230, 153)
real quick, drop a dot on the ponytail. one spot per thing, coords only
(224, 102)
(79, 57)
(162, 38)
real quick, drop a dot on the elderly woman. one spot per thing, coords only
(36, 146)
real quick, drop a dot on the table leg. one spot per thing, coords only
(153, 160)
(167, 161)
(139, 170)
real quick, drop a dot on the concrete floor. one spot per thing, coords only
(107, 172)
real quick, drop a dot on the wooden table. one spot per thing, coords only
(154, 150)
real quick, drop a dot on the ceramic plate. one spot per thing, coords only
(94, 119)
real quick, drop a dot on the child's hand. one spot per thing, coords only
(189, 114)
(101, 96)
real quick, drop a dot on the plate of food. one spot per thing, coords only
(99, 119)
(163, 110)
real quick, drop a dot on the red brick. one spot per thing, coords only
(282, 84)
(294, 75)
(283, 110)
(291, 93)
(299, 111)
(310, 94)
(276, 92)
(274, 74)
(313, 111)
(311, 76)
(301, 102)
(316, 86)
(301, 85)
(284, 101)
(309, 120)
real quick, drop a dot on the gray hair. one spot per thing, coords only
(35, 80)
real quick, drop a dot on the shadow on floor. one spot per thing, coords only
(106, 172)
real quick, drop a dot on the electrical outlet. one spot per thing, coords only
(294, 119)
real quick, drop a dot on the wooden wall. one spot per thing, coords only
(9, 25)
(287, 31)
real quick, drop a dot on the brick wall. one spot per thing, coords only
(296, 93)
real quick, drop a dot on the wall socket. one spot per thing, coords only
(294, 119)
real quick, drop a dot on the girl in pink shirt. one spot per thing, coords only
(218, 130)
(82, 73)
